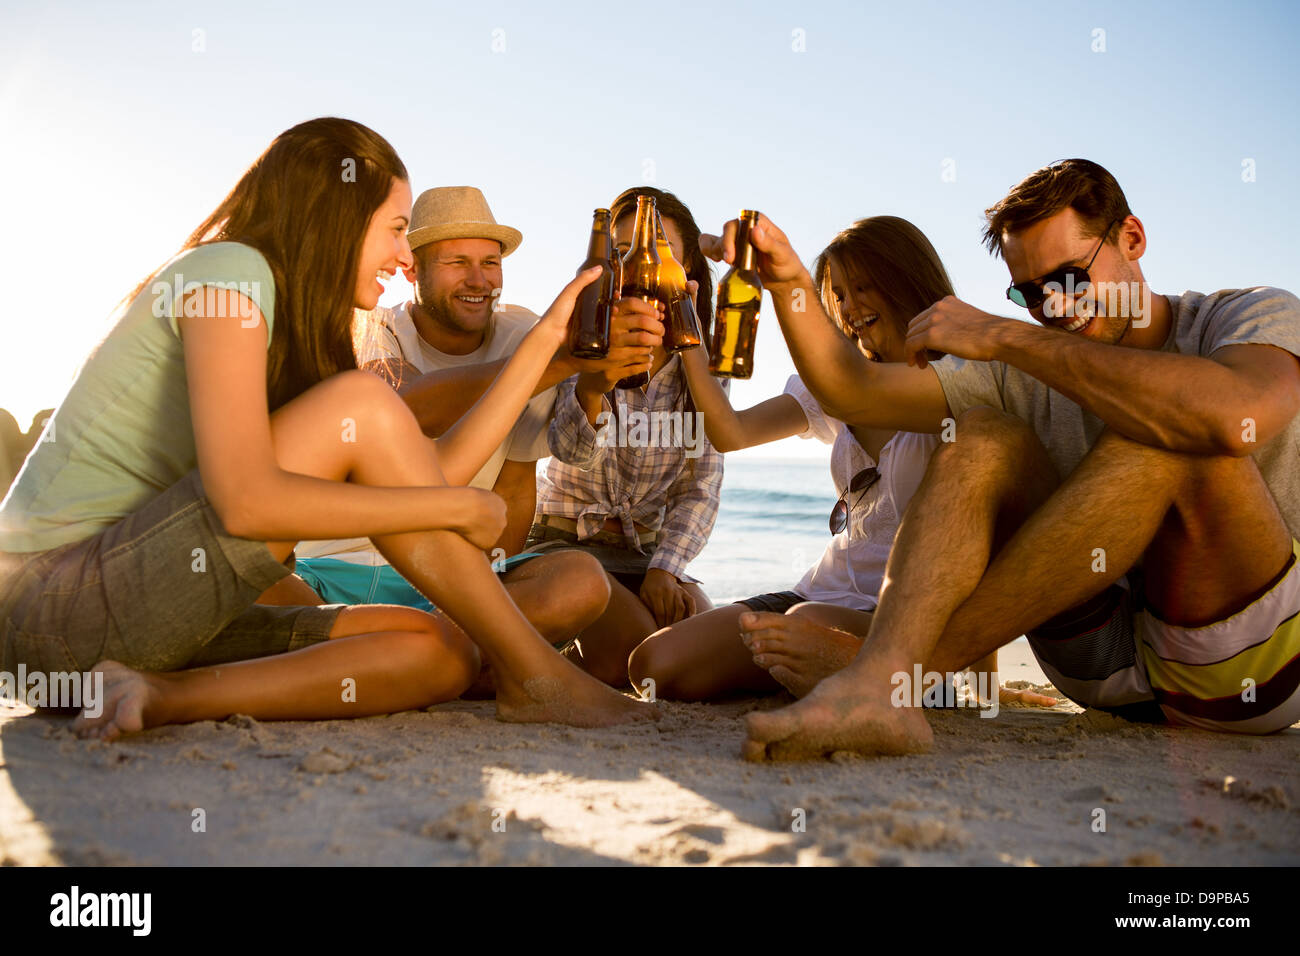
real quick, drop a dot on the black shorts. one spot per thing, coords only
(778, 602)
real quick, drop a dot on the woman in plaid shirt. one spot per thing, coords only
(633, 479)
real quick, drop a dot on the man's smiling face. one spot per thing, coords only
(1065, 240)
(457, 282)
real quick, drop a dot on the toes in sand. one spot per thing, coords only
(836, 715)
(122, 707)
(576, 699)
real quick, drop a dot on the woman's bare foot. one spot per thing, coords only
(849, 710)
(795, 651)
(560, 693)
(129, 703)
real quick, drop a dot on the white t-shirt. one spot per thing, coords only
(852, 567)
(391, 333)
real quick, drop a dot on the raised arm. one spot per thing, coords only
(225, 364)
(468, 444)
(729, 430)
(848, 385)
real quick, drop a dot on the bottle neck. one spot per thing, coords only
(645, 226)
(744, 248)
(598, 245)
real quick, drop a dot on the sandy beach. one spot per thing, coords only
(455, 786)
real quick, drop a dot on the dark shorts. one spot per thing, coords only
(778, 602)
(163, 589)
(624, 565)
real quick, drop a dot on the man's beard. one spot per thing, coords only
(442, 310)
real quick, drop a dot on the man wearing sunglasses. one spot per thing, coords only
(1123, 484)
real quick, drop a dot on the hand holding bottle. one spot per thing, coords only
(775, 260)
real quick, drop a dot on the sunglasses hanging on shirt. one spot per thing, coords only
(859, 486)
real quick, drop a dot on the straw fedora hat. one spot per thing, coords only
(457, 212)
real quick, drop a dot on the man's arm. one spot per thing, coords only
(517, 485)
(1185, 403)
(848, 385)
(440, 399)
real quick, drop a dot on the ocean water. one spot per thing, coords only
(772, 526)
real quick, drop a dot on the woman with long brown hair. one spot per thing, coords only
(223, 419)
(873, 278)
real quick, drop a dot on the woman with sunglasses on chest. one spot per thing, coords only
(873, 277)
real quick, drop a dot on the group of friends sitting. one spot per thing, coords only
(265, 494)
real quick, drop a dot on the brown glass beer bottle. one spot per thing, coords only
(641, 271)
(740, 293)
(681, 324)
(589, 323)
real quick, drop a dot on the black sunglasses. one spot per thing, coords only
(1072, 279)
(861, 482)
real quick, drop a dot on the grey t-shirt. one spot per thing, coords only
(1201, 325)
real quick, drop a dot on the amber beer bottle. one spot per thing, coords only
(589, 324)
(682, 325)
(740, 293)
(641, 271)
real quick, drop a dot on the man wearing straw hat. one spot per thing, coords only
(441, 350)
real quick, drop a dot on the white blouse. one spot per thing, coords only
(852, 567)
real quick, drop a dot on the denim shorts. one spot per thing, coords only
(163, 589)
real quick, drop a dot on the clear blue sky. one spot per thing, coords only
(117, 135)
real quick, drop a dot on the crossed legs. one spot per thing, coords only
(533, 682)
(1210, 530)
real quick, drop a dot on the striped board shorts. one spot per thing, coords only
(1241, 674)
(1238, 675)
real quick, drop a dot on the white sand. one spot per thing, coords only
(426, 787)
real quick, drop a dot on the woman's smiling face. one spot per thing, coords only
(864, 314)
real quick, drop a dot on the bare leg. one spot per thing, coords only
(560, 593)
(603, 647)
(396, 658)
(290, 591)
(806, 644)
(533, 682)
(700, 658)
(1124, 498)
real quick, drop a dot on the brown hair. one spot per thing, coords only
(892, 255)
(305, 204)
(1077, 184)
(696, 265)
